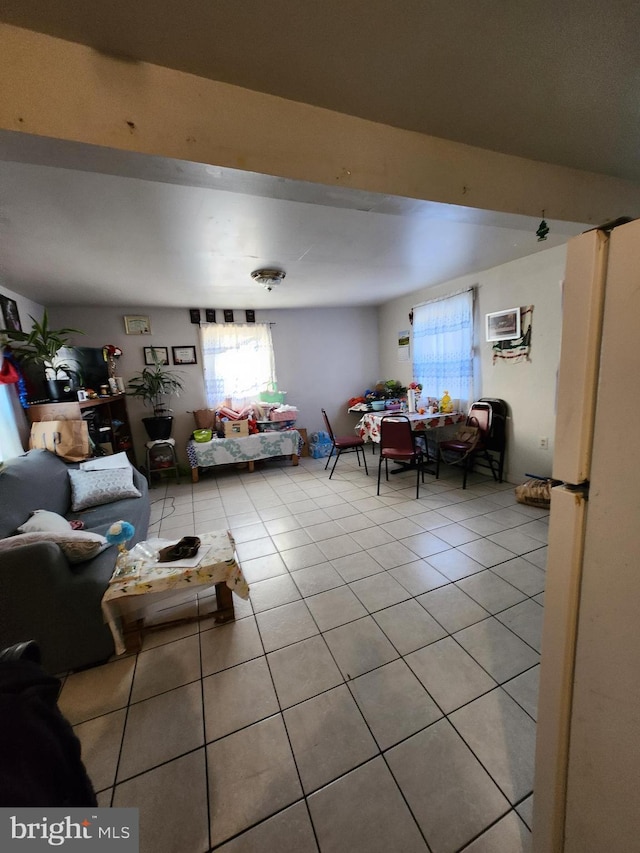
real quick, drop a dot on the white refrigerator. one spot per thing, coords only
(587, 780)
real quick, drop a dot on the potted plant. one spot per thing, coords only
(40, 346)
(153, 386)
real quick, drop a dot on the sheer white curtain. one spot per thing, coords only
(443, 347)
(238, 362)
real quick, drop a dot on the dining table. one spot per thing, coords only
(368, 427)
(428, 427)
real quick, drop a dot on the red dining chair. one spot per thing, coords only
(460, 451)
(343, 444)
(397, 442)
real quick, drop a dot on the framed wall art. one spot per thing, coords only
(503, 325)
(184, 355)
(210, 315)
(194, 315)
(137, 324)
(251, 316)
(228, 315)
(10, 314)
(156, 354)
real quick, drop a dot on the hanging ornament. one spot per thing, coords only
(543, 230)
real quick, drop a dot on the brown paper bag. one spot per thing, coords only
(67, 439)
(205, 418)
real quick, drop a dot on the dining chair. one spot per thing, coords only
(497, 439)
(343, 444)
(461, 451)
(398, 443)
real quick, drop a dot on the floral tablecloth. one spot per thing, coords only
(216, 562)
(368, 427)
(225, 451)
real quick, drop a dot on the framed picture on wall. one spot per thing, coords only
(156, 354)
(10, 314)
(136, 324)
(210, 315)
(194, 315)
(503, 325)
(184, 355)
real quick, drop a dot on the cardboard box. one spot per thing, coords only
(288, 415)
(236, 429)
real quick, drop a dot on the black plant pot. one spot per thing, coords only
(59, 389)
(159, 427)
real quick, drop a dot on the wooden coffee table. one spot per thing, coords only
(154, 586)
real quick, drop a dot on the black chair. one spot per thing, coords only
(398, 443)
(459, 451)
(343, 444)
(497, 439)
(41, 754)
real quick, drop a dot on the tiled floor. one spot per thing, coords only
(378, 693)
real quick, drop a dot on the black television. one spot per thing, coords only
(89, 371)
(89, 365)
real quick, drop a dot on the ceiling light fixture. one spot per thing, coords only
(268, 278)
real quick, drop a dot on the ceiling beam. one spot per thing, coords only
(66, 91)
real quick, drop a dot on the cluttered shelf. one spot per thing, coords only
(106, 417)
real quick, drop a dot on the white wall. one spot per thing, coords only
(324, 356)
(527, 387)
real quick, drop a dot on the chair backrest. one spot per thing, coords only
(481, 412)
(396, 432)
(327, 424)
(498, 435)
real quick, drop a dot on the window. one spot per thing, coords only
(238, 362)
(10, 444)
(443, 347)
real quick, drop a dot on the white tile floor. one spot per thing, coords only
(378, 692)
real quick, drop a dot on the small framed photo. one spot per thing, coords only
(251, 316)
(210, 315)
(503, 325)
(194, 315)
(136, 324)
(228, 315)
(156, 355)
(10, 314)
(184, 355)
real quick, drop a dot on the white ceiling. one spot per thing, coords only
(91, 226)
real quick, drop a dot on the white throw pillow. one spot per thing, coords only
(92, 488)
(77, 545)
(42, 520)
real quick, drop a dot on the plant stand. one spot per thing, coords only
(161, 458)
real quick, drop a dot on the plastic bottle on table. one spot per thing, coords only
(446, 403)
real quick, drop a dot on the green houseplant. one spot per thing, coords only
(154, 385)
(40, 346)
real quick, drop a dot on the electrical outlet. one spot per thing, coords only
(544, 442)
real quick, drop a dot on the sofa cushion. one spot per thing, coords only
(92, 488)
(43, 520)
(37, 480)
(77, 545)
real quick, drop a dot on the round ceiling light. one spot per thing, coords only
(268, 278)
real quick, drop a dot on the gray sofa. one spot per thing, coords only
(42, 596)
